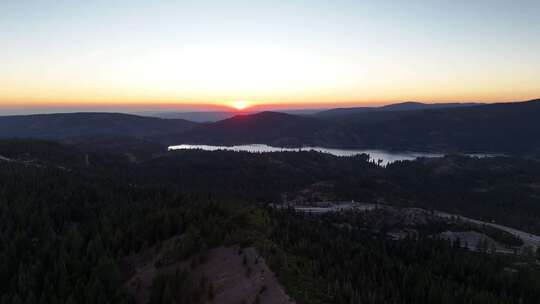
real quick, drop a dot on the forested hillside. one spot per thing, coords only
(509, 128)
(70, 218)
(403, 106)
(278, 129)
(78, 126)
(322, 262)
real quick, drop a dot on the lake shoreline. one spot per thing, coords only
(418, 150)
(382, 157)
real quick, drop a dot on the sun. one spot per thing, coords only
(240, 104)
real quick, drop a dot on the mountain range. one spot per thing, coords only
(403, 106)
(213, 116)
(502, 127)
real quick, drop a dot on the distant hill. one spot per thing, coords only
(199, 116)
(75, 125)
(413, 106)
(404, 106)
(274, 128)
(45, 151)
(40, 153)
(214, 116)
(506, 128)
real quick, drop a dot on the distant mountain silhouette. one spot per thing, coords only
(507, 127)
(275, 128)
(512, 128)
(77, 125)
(198, 116)
(404, 106)
(214, 116)
(413, 106)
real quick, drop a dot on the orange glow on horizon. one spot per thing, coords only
(255, 104)
(186, 55)
(240, 105)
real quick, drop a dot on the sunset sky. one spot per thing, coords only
(206, 54)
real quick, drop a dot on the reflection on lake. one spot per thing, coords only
(385, 156)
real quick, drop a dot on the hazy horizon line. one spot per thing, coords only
(186, 108)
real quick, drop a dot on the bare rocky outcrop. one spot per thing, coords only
(237, 275)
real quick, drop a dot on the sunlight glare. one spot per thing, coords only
(240, 104)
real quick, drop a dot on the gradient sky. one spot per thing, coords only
(301, 53)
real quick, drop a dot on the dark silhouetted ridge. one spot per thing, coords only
(503, 127)
(404, 106)
(265, 127)
(75, 125)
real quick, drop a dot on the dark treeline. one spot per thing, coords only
(506, 128)
(63, 233)
(510, 128)
(321, 262)
(503, 190)
(68, 218)
(500, 189)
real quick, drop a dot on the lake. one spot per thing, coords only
(385, 156)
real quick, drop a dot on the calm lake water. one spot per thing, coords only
(386, 156)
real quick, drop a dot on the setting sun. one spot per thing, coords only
(240, 104)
